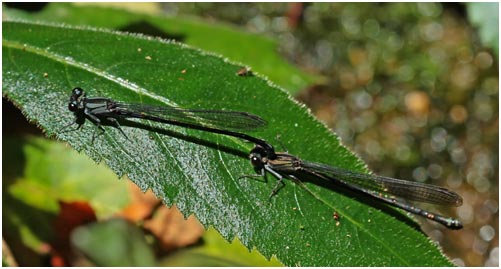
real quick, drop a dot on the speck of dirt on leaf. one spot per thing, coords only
(244, 72)
(335, 216)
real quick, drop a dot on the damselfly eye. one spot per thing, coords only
(77, 91)
(256, 161)
(72, 106)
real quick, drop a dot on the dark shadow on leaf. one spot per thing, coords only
(191, 139)
(147, 28)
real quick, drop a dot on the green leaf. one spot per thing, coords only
(254, 50)
(113, 243)
(197, 171)
(42, 182)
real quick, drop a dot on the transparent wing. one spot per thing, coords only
(410, 190)
(221, 119)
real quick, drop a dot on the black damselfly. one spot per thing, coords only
(283, 165)
(101, 110)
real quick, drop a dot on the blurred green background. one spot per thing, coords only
(412, 88)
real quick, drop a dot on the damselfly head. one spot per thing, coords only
(258, 156)
(76, 93)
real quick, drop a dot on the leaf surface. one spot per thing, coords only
(199, 171)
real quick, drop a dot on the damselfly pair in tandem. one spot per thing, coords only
(264, 158)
